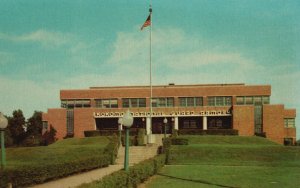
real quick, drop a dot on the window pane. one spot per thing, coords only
(114, 103)
(239, 100)
(170, 102)
(161, 102)
(63, 104)
(154, 102)
(199, 101)
(134, 103)
(190, 101)
(228, 101)
(125, 103)
(105, 103)
(266, 99)
(249, 100)
(182, 101)
(257, 100)
(219, 101)
(211, 101)
(142, 102)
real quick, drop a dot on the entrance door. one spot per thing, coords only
(158, 126)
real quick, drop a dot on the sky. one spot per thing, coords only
(46, 46)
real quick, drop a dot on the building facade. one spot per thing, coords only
(245, 108)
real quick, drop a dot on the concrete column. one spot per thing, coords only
(204, 122)
(148, 125)
(176, 123)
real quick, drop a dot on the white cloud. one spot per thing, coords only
(44, 37)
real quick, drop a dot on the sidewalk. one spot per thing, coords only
(78, 179)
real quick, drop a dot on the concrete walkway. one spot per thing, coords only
(78, 179)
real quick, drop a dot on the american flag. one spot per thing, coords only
(147, 22)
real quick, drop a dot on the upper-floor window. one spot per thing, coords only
(163, 102)
(133, 102)
(249, 100)
(106, 103)
(219, 101)
(289, 122)
(190, 101)
(76, 103)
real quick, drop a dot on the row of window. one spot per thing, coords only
(249, 100)
(167, 102)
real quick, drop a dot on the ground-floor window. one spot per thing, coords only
(158, 126)
(190, 122)
(288, 141)
(219, 122)
(112, 123)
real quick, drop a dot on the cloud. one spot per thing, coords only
(44, 37)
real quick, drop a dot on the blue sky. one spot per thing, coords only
(46, 46)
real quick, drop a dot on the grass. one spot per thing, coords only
(225, 176)
(63, 150)
(232, 161)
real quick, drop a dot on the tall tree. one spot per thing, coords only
(34, 124)
(16, 126)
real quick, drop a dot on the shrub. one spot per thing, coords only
(137, 174)
(140, 137)
(179, 141)
(132, 140)
(27, 175)
(174, 133)
(208, 132)
(39, 173)
(112, 148)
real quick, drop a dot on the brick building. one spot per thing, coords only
(245, 108)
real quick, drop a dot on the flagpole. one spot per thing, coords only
(150, 12)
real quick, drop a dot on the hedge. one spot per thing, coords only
(208, 132)
(91, 133)
(28, 175)
(136, 175)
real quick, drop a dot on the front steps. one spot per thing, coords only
(140, 153)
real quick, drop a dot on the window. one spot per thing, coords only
(133, 102)
(240, 100)
(76, 103)
(219, 101)
(257, 100)
(70, 122)
(190, 101)
(163, 102)
(106, 103)
(211, 101)
(289, 122)
(45, 125)
(266, 100)
(249, 100)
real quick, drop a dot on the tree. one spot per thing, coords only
(49, 137)
(16, 126)
(34, 124)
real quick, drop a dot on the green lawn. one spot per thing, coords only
(63, 150)
(232, 161)
(226, 176)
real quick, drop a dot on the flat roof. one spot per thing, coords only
(169, 85)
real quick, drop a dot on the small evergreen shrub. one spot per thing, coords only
(140, 137)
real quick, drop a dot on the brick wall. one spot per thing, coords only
(83, 120)
(273, 122)
(58, 119)
(243, 119)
